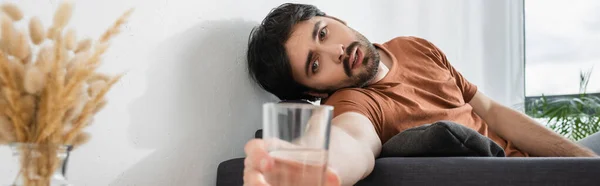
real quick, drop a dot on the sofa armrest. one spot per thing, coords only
(487, 171)
(231, 172)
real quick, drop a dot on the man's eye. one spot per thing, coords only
(323, 33)
(315, 66)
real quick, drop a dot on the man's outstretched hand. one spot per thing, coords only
(260, 169)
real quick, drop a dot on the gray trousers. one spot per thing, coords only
(592, 142)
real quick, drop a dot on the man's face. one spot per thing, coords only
(326, 55)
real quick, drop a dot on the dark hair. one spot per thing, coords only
(268, 62)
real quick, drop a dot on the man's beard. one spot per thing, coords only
(370, 64)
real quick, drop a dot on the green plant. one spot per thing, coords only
(574, 117)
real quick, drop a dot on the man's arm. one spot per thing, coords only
(524, 132)
(353, 147)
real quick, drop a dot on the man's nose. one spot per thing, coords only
(336, 51)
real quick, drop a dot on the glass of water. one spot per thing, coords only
(297, 137)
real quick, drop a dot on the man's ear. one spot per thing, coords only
(319, 95)
(338, 19)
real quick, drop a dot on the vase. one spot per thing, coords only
(40, 164)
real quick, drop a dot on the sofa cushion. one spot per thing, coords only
(592, 142)
(231, 172)
(442, 138)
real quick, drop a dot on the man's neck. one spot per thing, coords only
(384, 62)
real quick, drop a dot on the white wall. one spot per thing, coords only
(186, 103)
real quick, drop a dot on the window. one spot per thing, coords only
(562, 44)
(562, 38)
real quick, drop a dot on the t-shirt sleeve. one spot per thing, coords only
(468, 89)
(358, 101)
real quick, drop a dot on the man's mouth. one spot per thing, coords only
(357, 58)
(353, 59)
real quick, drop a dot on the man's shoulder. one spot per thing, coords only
(354, 95)
(408, 41)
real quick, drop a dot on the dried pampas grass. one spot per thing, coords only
(49, 87)
(7, 33)
(21, 48)
(6, 130)
(35, 80)
(36, 30)
(44, 58)
(70, 39)
(83, 45)
(12, 10)
(63, 14)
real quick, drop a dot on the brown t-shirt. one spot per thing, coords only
(421, 87)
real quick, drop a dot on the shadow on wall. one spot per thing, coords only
(199, 109)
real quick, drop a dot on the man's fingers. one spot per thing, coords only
(254, 178)
(332, 178)
(257, 156)
(258, 166)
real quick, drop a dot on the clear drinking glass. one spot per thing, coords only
(297, 137)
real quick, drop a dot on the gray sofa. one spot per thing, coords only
(462, 171)
(484, 171)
